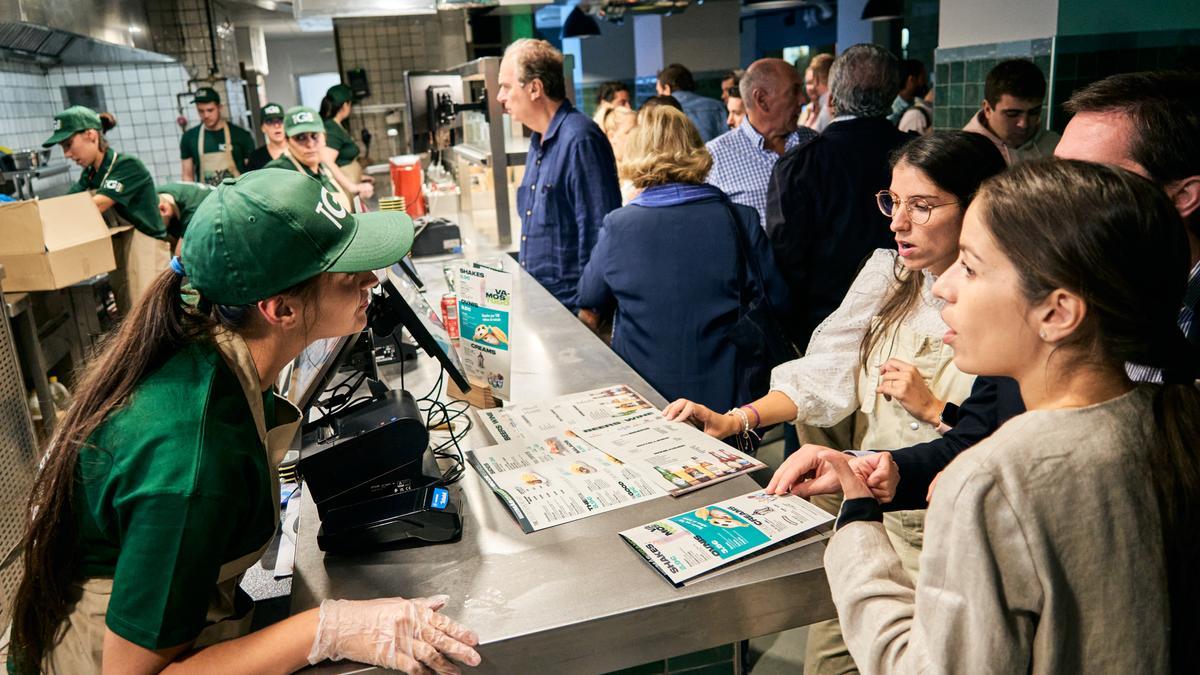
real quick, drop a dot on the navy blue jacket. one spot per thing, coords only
(708, 114)
(821, 214)
(570, 184)
(671, 270)
(993, 401)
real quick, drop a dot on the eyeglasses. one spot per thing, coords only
(918, 208)
(307, 138)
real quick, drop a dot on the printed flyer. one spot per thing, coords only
(558, 480)
(691, 544)
(485, 299)
(680, 456)
(546, 419)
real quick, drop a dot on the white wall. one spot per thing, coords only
(705, 37)
(610, 56)
(292, 56)
(973, 22)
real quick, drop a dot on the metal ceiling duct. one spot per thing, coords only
(617, 10)
(341, 9)
(22, 40)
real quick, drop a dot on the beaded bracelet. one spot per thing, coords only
(757, 417)
(745, 419)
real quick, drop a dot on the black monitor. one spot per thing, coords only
(401, 303)
(312, 371)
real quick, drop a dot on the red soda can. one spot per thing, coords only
(450, 314)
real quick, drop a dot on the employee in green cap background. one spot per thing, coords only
(271, 115)
(306, 140)
(177, 203)
(160, 489)
(335, 109)
(118, 181)
(214, 149)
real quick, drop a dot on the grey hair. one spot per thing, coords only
(766, 74)
(864, 81)
(539, 60)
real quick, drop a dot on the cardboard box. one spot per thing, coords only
(47, 244)
(140, 260)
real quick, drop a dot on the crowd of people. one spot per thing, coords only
(984, 340)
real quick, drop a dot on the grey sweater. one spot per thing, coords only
(1043, 554)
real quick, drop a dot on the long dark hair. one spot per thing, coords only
(957, 162)
(329, 108)
(1116, 240)
(156, 328)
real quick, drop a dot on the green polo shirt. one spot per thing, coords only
(338, 138)
(214, 141)
(130, 186)
(282, 162)
(188, 197)
(170, 487)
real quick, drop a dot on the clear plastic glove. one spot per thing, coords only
(405, 635)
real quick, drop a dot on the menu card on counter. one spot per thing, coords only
(595, 451)
(713, 538)
(485, 298)
(546, 419)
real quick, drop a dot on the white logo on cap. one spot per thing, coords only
(302, 117)
(57, 125)
(330, 208)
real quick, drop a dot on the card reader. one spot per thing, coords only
(426, 514)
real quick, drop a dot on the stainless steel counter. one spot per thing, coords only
(574, 598)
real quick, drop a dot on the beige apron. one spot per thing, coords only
(81, 648)
(216, 166)
(338, 193)
(140, 258)
(353, 171)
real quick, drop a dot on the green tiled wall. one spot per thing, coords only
(959, 75)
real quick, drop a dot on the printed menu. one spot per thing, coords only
(586, 453)
(685, 547)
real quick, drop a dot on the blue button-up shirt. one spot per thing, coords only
(570, 185)
(742, 164)
(708, 114)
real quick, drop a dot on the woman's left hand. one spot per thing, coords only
(366, 190)
(903, 382)
(854, 484)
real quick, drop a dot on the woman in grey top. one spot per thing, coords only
(1066, 542)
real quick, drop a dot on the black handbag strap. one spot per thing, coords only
(743, 247)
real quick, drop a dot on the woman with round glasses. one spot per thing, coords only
(305, 139)
(881, 352)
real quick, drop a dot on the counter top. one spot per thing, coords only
(573, 598)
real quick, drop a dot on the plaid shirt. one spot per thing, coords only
(1187, 324)
(742, 166)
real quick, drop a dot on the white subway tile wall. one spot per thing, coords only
(142, 97)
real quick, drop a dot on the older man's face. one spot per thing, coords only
(513, 95)
(1101, 137)
(776, 108)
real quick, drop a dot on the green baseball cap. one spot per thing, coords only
(299, 120)
(339, 94)
(70, 122)
(207, 95)
(271, 229)
(271, 111)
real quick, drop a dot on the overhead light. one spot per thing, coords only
(882, 10)
(134, 29)
(580, 25)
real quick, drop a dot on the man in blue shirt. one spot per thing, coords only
(744, 157)
(706, 113)
(570, 179)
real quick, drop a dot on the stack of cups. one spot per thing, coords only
(391, 203)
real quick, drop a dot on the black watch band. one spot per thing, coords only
(949, 415)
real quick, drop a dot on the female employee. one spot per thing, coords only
(1066, 541)
(118, 181)
(881, 351)
(306, 140)
(335, 108)
(177, 203)
(159, 489)
(271, 115)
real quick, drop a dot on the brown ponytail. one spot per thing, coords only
(1115, 239)
(108, 121)
(156, 328)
